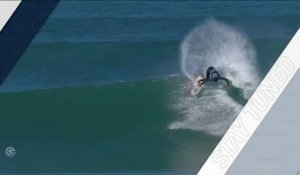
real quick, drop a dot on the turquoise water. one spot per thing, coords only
(100, 89)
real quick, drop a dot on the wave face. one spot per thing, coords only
(216, 44)
(120, 123)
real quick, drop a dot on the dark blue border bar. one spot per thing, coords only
(19, 31)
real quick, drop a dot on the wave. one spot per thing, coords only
(224, 47)
(134, 29)
(53, 65)
(78, 9)
(115, 119)
(213, 112)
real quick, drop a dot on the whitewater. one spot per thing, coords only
(214, 43)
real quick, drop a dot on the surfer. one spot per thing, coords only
(212, 75)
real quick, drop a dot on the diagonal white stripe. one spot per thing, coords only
(254, 111)
(7, 8)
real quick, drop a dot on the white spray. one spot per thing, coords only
(215, 44)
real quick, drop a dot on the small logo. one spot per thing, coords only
(10, 151)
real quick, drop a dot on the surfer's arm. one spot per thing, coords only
(202, 81)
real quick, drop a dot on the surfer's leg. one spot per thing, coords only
(225, 79)
(217, 74)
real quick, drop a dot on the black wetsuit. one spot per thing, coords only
(212, 75)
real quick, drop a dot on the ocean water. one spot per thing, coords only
(103, 88)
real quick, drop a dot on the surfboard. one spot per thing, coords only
(196, 88)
